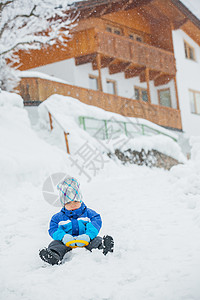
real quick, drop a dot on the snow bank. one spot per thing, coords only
(10, 99)
(34, 74)
(187, 177)
(160, 143)
(66, 112)
(23, 156)
(62, 106)
(157, 243)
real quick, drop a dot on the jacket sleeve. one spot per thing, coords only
(93, 227)
(55, 231)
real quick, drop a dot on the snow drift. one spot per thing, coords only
(66, 112)
(156, 236)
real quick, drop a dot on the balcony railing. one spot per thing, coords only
(135, 52)
(109, 45)
(38, 89)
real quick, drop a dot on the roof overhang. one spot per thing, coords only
(97, 8)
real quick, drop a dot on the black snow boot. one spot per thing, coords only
(108, 244)
(49, 256)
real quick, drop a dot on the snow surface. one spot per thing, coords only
(153, 215)
(33, 74)
(66, 111)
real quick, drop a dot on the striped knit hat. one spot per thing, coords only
(69, 190)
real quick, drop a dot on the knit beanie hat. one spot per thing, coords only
(69, 190)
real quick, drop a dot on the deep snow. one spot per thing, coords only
(153, 215)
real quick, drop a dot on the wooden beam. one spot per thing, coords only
(99, 71)
(105, 10)
(89, 13)
(126, 4)
(133, 72)
(176, 90)
(143, 76)
(66, 141)
(50, 120)
(162, 79)
(105, 61)
(152, 75)
(148, 85)
(179, 24)
(119, 67)
(85, 59)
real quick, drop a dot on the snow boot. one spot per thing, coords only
(49, 256)
(108, 244)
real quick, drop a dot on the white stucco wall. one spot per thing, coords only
(79, 76)
(188, 77)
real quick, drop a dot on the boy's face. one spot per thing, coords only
(72, 205)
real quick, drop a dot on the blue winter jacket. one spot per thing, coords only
(75, 222)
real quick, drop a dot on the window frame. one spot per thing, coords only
(91, 76)
(195, 105)
(140, 93)
(113, 28)
(162, 90)
(135, 36)
(187, 48)
(115, 85)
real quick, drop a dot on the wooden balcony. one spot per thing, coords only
(121, 54)
(33, 90)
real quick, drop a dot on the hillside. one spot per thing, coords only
(153, 215)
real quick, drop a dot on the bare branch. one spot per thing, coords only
(26, 43)
(4, 5)
(6, 25)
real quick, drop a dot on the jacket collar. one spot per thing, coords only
(74, 213)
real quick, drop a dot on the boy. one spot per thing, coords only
(74, 226)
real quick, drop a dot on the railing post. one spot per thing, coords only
(66, 141)
(84, 126)
(82, 122)
(148, 85)
(142, 129)
(125, 129)
(50, 120)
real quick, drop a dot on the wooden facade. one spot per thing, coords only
(129, 36)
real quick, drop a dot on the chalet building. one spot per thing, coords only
(139, 58)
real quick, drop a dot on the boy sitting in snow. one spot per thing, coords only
(74, 226)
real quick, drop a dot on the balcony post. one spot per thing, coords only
(148, 85)
(176, 90)
(99, 70)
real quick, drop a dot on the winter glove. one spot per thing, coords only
(68, 238)
(83, 237)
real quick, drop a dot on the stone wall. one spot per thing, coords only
(151, 158)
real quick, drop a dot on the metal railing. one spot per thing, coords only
(112, 128)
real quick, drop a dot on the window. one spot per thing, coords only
(189, 51)
(135, 37)
(111, 87)
(141, 94)
(165, 97)
(195, 102)
(93, 82)
(113, 29)
(138, 38)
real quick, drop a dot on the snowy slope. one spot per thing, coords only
(154, 221)
(66, 111)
